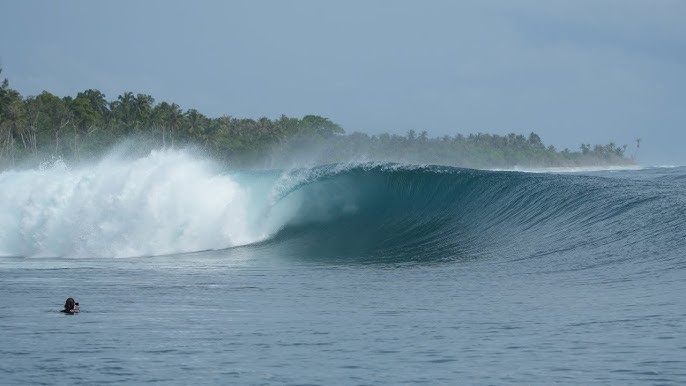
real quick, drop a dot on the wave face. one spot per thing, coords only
(427, 213)
(172, 202)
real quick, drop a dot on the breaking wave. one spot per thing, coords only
(172, 202)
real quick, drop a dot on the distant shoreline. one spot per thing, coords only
(88, 125)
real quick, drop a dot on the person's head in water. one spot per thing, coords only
(69, 305)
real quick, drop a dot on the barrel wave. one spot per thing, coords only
(409, 213)
(171, 202)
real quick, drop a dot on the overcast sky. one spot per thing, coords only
(573, 71)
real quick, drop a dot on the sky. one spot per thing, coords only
(572, 71)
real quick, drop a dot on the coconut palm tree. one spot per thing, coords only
(142, 109)
(126, 110)
(174, 120)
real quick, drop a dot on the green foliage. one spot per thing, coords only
(313, 124)
(41, 123)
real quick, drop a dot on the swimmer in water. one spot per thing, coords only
(71, 307)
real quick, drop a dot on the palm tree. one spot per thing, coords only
(142, 109)
(196, 123)
(174, 120)
(110, 118)
(159, 119)
(96, 99)
(126, 110)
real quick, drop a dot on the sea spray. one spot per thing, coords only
(166, 202)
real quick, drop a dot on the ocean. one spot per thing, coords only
(357, 273)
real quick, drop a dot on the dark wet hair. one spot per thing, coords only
(69, 304)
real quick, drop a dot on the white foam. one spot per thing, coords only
(167, 202)
(569, 169)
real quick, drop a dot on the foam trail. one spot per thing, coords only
(167, 202)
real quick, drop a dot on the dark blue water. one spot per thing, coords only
(379, 274)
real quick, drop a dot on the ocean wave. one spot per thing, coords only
(172, 201)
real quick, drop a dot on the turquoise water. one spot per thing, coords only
(366, 274)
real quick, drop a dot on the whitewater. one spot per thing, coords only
(167, 202)
(358, 273)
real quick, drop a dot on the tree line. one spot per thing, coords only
(88, 124)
